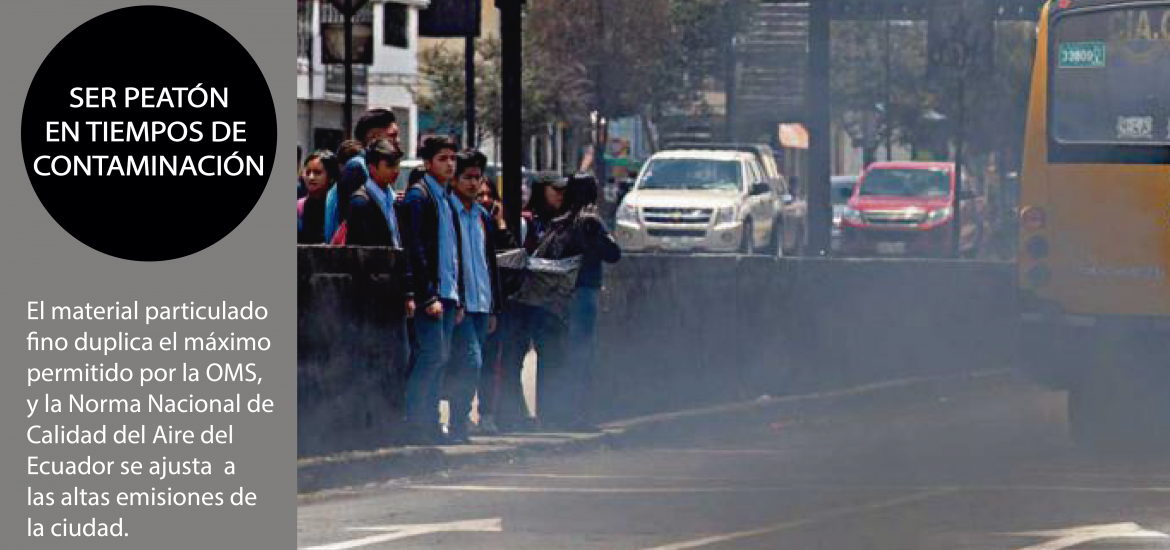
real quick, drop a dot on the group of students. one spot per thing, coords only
(466, 337)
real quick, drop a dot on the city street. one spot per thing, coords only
(984, 468)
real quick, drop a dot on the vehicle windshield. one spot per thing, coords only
(842, 191)
(906, 182)
(692, 175)
(1109, 76)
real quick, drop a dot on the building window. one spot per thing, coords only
(394, 31)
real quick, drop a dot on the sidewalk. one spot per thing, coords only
(357, 468)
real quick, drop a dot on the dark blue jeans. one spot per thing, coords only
(462, 375)
(582, 349)
(426, 374)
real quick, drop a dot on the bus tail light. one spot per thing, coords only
(1032, 218)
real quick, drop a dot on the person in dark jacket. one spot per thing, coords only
(373, 125)
(320, 174)
(589, 238)
(432, 242)
(372, 218)
(527, 327)
(563, 390)
(501, 390)
(481, 290)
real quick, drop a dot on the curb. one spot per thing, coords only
(362, 467)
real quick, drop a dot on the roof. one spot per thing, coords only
(703, 154)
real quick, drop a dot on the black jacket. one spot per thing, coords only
(365, 223)
(581, 234)
(420, 238)
(366, 226)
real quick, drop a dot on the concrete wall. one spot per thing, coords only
(351, 349)
(676, 332)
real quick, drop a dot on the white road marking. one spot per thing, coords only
(1070, 489)
(599, 477)
(1075, 536)
(762, 488)
(397, 532)
(590, 490)
(731, 452)
(798, 523)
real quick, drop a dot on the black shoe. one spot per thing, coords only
(517, 425)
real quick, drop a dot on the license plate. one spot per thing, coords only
(891, 248)
(673, 242)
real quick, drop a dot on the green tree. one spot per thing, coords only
(869, 103)
(443, 70)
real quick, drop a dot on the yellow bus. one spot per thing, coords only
(1094, 245)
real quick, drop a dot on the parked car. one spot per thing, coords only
(907, 208)
(700, 201)
(790, 201)
(842, 191)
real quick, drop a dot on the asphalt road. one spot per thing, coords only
(987, 469)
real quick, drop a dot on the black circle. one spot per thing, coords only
(157, 207)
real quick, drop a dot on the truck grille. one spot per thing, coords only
(679, 216)
(694, 233)
(894, 217)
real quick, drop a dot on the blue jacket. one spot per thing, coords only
(420, 237)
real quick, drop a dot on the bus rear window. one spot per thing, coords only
(1110, 71)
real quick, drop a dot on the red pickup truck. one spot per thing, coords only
(907, 208)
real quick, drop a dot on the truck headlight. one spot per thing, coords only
(627, 213)
(940, 215)
(725, 214)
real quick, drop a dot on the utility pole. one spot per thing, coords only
(469, 138)
(888, 128)
(348, 8)
(600, 140)
(512, 157)
(347, 119)
(730, 66)
(819, 108)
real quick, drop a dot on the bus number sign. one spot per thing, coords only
(1082, 55)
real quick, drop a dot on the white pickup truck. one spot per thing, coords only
(700, 201)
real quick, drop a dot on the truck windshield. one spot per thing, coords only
(692, 174)
(905, 182)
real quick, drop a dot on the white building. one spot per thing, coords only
(385, 84)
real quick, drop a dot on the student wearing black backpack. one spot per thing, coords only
(481, 290)
(431, 237)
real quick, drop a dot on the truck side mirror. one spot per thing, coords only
(760, 188)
